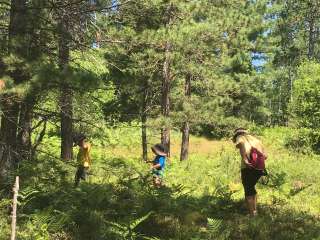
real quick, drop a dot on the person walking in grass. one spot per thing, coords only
(83, 158)
(158, 164)
(250, 148)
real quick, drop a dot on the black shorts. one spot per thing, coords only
(81, 173)
(250, 177)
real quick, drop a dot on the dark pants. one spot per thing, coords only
(250, 177)
(81, 173)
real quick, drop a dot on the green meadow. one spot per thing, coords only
(202, 199)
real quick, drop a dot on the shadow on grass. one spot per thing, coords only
(189, 213)
(117, 210)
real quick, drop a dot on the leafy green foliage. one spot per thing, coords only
(128, 231)
(305, 105)
(202, 198)
(212, 43)
(305, 109)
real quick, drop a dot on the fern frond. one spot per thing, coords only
(214, 225)
(136, 222)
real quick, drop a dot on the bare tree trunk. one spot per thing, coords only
(144, 137)
(186, 128)
(17, 45)
(66, 111)
(312, 39)
(185, 142)
(8, 137)
(165, 133)
(18, 21)
(24, 132)
(14, 209)
(166, 81)
(66, 123)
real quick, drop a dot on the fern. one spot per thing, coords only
(214, 226)
(136, 222)
(126, 231)
(26, 196)
(58, 221)
(4, 203)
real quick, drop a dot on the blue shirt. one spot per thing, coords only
(160, 160)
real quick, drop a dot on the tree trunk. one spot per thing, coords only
(185, 142)
(17, 45)
(66, 111)
(144, 137)
(66, 123)
(14, 209)
(8, 137)
(186, 128)
(312, 39)
(24, 132)
(18, 21)
(165, 133)
(166, 74)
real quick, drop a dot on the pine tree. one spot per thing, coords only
(66, 113)
(17, 50)
(294, 34)
(133, 60)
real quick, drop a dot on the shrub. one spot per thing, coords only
(220, 128)
(305, 106)
(304, 141)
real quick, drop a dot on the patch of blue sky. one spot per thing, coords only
(258, 60)
(114, 5)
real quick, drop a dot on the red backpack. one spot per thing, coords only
(257, 159)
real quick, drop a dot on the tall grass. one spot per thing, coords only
(203, 197)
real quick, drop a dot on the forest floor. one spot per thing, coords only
(203, 197)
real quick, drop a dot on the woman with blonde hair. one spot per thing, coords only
(250, 174)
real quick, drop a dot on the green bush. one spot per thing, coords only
(220, 128)
(304, 141)
(305, 106)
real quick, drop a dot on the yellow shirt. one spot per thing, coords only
(83, 157)
(248, 142)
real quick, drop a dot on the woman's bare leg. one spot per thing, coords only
(250, 200)
(255, 204)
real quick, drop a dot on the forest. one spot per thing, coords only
(119, 76)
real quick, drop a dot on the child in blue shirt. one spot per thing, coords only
(158, 164)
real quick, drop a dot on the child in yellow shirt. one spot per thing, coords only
(83, 158)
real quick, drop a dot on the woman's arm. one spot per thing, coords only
(264, 152)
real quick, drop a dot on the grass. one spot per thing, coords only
(203, 197)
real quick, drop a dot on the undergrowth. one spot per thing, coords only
(202, 199)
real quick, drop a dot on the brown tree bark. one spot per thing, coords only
(24, 131)
(18, 14)
(185, 142)
(186, 127)
(144, 137)
(8, 137)
(66, 95)
(166, 81)
(66, 115)
(165, 133)
(312, 40)
(17, 45)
